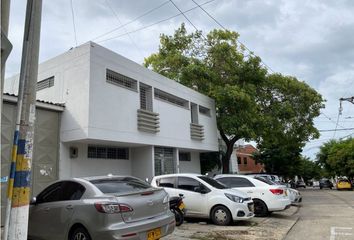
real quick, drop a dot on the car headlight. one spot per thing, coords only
(234, 198)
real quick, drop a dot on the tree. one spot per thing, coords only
(288, 107)
(337, 157)
(216, 66)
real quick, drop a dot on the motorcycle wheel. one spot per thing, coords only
(178, 216)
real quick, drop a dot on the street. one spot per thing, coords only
(323, 214)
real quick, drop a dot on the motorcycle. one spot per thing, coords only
(178, 208)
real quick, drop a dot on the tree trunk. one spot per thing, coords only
(229, 150)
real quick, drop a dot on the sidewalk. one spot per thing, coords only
(274, 227)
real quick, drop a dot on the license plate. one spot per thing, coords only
(182, 206)
(154, 234)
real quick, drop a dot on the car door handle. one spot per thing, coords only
(69, 207)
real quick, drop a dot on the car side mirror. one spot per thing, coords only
(33, 201)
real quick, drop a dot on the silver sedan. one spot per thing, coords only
(109, 207)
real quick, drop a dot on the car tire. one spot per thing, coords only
(79, 233)
(260, 208)
(220, 215)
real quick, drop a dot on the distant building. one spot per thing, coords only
(245, 162)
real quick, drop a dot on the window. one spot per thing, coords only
(52, 193)
(238, 160)
(72, 191)
(121, 80)
(213, 182)
(194, 113)
(46, 83)
(188, 184)
(204, 110)
(145, 97)
(245, 160)
(120, 185)
(166, 182)
(107, 152)
(240, 182)
(164, 96)
(184, 156)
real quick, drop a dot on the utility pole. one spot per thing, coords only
(18, 226)
(349, 99)
(6, 48)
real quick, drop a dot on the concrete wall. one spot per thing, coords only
(82, 166)
(142, 160)
(192, 166)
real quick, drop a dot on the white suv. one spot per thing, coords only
(205, 197)
(267, 198)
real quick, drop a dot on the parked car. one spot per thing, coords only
(95, 208)
(205, 197)
(316, 184)
(294, 195)
(325, 183)
(300, 184)
(343, 184)
(267, 198)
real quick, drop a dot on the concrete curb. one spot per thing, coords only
(286, 234)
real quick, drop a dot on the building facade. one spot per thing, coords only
(122, 118)
(245, 162)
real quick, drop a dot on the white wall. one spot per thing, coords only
(83, 166)
(190, 167)
(113, 109)
(142, 160)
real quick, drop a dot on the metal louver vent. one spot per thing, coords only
(121, 80)
(197, 131)
(46, 83)
(148, 121)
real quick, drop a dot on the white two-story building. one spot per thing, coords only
(122, 118)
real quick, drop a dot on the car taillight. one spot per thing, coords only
(109, 207)
(277, 191)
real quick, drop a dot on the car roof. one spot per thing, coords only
(92, 178)
(180, 175)
(233, 175)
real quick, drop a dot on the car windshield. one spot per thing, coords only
(213, 182)
(120, 185)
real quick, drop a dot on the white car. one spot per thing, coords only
(205, 197)
(267, 198)
(294, 195)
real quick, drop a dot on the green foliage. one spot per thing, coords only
(337, 157)
(249, 103)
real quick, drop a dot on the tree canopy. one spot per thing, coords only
(250, 103)
(337, 157)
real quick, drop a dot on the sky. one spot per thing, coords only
(312, 40)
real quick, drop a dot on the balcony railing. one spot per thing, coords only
(197, 131)
(148, 121)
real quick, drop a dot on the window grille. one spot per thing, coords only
(46, 83)
(161, 95)
(204, 110)
(145, 97)
(184, 156)
(108, 152)
(121, 80)
(194, 113)
(164, 161)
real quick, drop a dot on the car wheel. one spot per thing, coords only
(220, 215)
(80, 233)
(260, 208)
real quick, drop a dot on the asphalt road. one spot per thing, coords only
(324, 215)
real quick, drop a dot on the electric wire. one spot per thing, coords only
(125, 30)
(73, 18)
(185, 16)
(336, 130)
(155, 23)
(218, 23)
(127, 23)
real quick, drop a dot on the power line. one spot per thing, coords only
(217, 22)
(135, 19)
(150, 25)
(185, 16)
(125, 30)
(330, 119)
(336, 129)
(73, 17)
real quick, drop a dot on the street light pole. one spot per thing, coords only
(18, 227)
